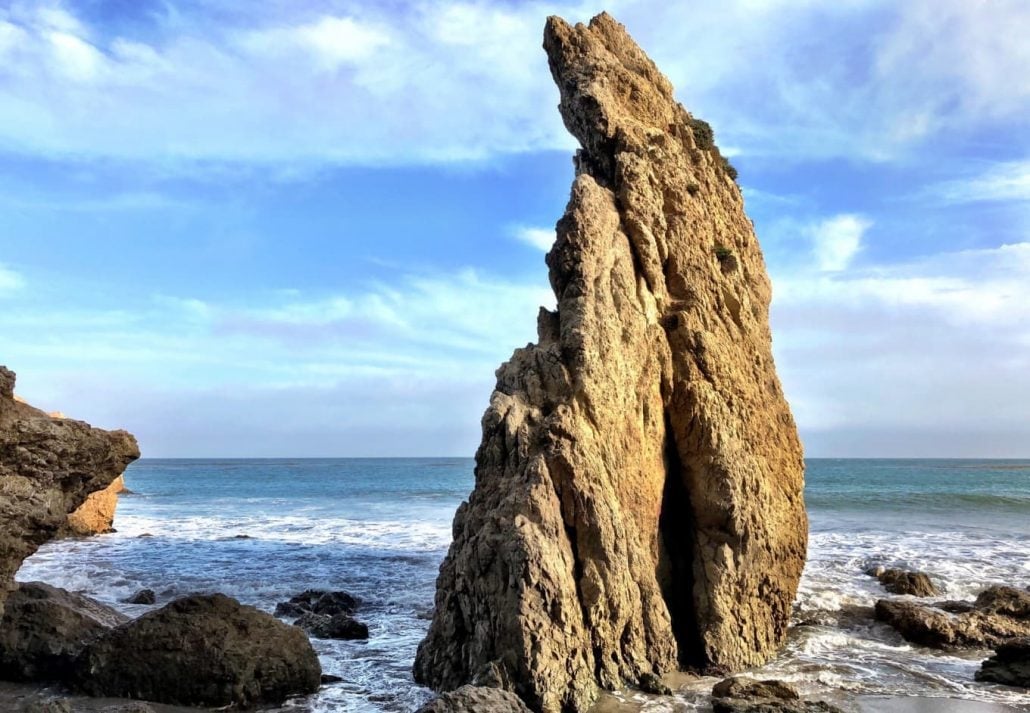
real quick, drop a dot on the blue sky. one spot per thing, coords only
(316, 228)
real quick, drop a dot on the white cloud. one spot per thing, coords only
(837, 240)
(10, 280)
(330, 42)
(406, 366)
(926, 357)
(456, 80)
(1007, 181)
(539, 238)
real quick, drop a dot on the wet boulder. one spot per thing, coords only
(143, 596)
(45, 628)
(317, 601)
(338, 626)
(745, 695)
(475, 699)
(201, 650)
(1010, 665)
(900, 581)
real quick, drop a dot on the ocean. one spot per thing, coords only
(263, 530)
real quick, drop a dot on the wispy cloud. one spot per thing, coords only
(1006, 181)
(10, 280)
(416, 356)
(539, 238)
(837, 240)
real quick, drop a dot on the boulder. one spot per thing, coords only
(143, 596)
(998, 614)
(318, 601)
(475, 699)
(44, 629)
(649, 683)
(201, 650)
(48, 467)
(900, 581)
(1010, 665)
(338, 626)
(638, 501)
(744, 695)
(740, 687)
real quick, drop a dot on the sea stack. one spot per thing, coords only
(49, 465)
(638, 499)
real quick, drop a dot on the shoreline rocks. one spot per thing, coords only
(638, 502)
(48, 468)
(998, 614)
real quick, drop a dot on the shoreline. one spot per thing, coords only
(15, 697)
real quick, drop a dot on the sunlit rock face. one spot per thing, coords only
(638, 500)
(49, 465)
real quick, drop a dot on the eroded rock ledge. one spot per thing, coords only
(48, 467)
(638, 501)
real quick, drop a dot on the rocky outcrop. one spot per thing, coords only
(1010, 665)
(638, 500)
(998, 614)
(475, 699)
(900, 581)
(48, 467)
(45, 628)
(201, 650)
(96, 515)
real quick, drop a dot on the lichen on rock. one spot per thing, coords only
(638, 500)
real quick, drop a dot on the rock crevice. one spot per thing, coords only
(638, 500)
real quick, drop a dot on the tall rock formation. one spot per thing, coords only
(48, 467)
(638, 500)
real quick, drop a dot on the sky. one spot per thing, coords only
(315, 228)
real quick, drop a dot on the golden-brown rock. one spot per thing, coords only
(96, 515)
(48, 466)
(638, 500)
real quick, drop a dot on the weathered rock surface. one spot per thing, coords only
(96, 515)
(998, 614)
(1009, 666)
(44, 629)
(202, 650)
(638, 501)
(475, 699)
(745, 695)
(48, 467)
(900, 581)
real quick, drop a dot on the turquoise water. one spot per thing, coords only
(262, 530)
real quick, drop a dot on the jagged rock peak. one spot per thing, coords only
(638, 501)
(48, 467)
